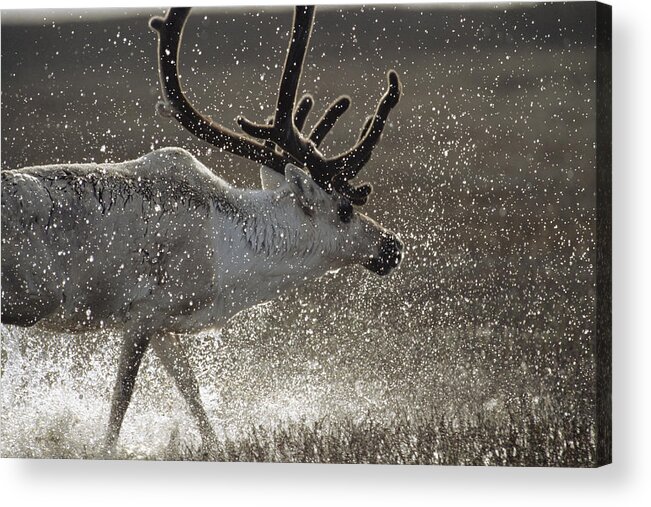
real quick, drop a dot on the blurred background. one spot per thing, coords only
(486, 169)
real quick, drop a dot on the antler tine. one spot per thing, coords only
(170, 32)
(348, 165)
(359, 194)
(270, 144)
(367, 125)
(352, 161)
(283, 131)
(328, 120)
(303, 109)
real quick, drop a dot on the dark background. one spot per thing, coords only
(486, 169)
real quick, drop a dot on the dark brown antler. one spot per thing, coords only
(281, 139)
(170, 31)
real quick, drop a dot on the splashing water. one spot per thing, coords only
(486, 171)
(56, 392)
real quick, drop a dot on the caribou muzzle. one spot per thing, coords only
(389, 256)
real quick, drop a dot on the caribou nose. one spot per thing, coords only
(388, 256)
(391, 251)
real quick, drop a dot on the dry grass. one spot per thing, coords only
(539, 439)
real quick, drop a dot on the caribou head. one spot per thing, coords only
(327, 197)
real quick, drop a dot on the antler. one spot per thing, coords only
(281, 140)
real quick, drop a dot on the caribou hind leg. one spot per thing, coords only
(172, 354)
(135, 344)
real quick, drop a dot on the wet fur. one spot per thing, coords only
(160, 246)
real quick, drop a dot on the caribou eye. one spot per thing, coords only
(345, 211)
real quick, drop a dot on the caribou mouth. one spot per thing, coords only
(388, 258)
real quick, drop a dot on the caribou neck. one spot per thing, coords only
(270, 248)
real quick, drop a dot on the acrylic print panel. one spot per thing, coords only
(160, 302)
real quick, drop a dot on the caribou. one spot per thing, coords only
(160, 247)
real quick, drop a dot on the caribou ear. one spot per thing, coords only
(270, 179)
(303, 187)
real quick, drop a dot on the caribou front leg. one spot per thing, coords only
(135, 344)
(172, 354)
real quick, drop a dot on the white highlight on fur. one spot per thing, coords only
(160, 246)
